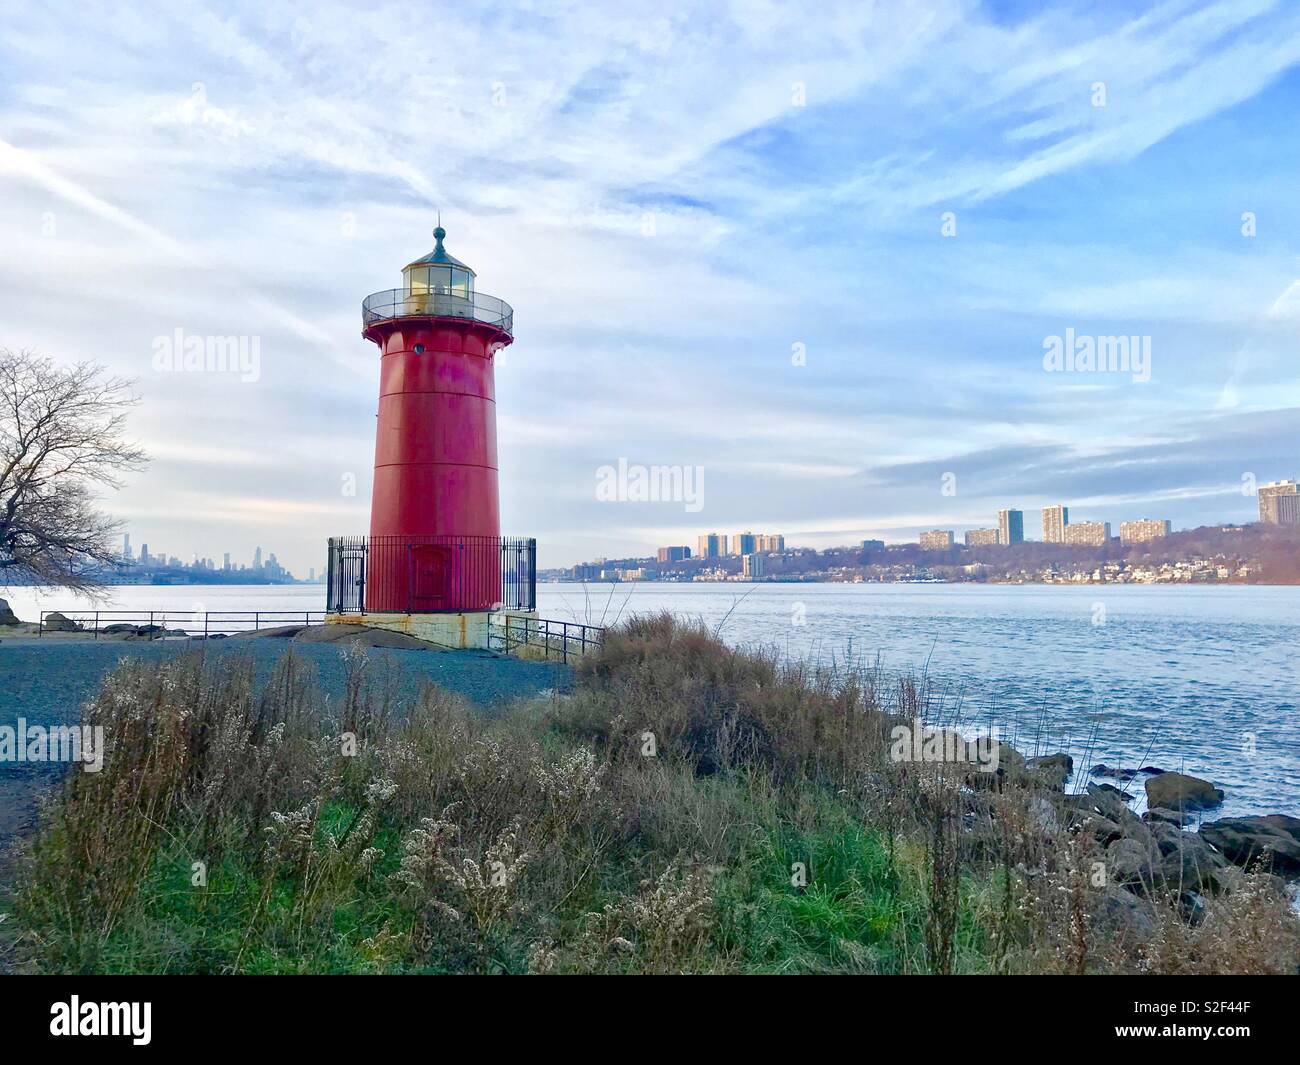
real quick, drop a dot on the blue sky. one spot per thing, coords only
(673, 200)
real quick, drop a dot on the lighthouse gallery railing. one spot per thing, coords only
(399, 303)
(473, 559)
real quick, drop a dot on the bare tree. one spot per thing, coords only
(62, 437)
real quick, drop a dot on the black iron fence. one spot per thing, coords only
(430, 574)
(551, 639)
(172, 624)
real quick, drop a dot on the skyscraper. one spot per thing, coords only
(712, 545)
(744, 543)
(126, 546)
(1011, 527)
(257, 558)
(1088, 533)
(936, 540)
(1055, 519)
(1137, 532)
(1279, 503)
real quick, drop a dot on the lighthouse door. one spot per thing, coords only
(430, 572)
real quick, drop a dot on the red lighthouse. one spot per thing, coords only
(435, 547)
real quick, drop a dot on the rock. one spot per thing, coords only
(1120, 915)
(1043, 815)
(1157, 814)
(1194, 865)
(1152, 769)
(1052, 770)
(1131, 862)
(279, 632)
(1167, 837)
(1110, 802)
(7, 616)
(1269, 843)
(360, 635)
(1103, 770)
(56, 622)
(1177, 791)
(119, 628)
(1102, 829)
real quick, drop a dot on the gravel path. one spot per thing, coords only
(45, 681)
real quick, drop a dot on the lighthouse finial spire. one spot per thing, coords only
(439, 233)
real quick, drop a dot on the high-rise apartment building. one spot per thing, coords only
(873, 545)
(674, 554)
(1279, 503)
(1055, 519)
(936, 540)
(1088, 533)
(755, 566)
(712, 545)
(1139, 532)
(772, 543)
(981, 537)
(1011, 527)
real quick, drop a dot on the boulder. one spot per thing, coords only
(1110, 802)
(1130, 862)
(1157, 814)
(1122, 917)
(56, 622)
(1102, 829)
(1043, 815)
(279, 632)
(1103, 770)
(7, 616)
(1167, 837)
(1270, 843)
(119, 628)
(361, 636)
(1178, 791)
(1193, 866)
(1052, 770)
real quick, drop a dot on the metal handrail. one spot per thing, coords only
(215, 622)
(562, 637)
(399, 303)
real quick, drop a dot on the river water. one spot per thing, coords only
(1202, 679)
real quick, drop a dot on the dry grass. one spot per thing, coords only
(655, 820)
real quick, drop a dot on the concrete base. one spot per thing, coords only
(463, 631)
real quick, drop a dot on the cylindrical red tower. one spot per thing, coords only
(435, 519)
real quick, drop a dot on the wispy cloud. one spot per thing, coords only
(720, 227)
